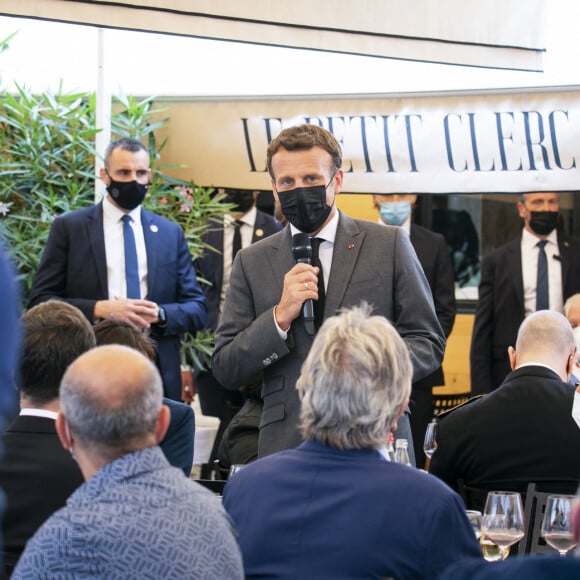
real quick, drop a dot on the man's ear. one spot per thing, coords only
(63, 431)
(162, 423)
(571, 362)
(513, 358)
(401, 410)
(104, 176)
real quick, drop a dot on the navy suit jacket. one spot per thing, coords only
(319, 512)
(500, 308)
(73, 268)
(177, 445)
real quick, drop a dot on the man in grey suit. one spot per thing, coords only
(261, 331)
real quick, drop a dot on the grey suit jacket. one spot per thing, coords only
(371, 263)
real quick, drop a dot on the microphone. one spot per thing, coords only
(556, 257)
(302, 251)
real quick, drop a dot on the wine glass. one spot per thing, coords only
(474, 517)
(503, 518)
(557, 523)
(430, 442)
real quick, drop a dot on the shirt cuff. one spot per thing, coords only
(282, 333)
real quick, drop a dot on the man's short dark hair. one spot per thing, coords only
(125, 143)
(302, 138)
(118, 332)
(55, 334)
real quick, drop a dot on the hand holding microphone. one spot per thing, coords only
(300, 287)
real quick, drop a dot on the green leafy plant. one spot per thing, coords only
(47, 165)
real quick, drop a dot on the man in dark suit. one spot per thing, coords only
(84, 262)
(508, 293)
(36, 473)
(263, 330)
(524, 430)
(431, 249)
(335, 507)
(250, 225)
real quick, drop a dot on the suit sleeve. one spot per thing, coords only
(51, 280)
(246, 341)
(481, 339)
(444, 289)
(187, 312)
(415, 317)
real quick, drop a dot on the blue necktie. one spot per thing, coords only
(542, 291)
(131, 264)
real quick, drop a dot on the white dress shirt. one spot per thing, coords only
(530, 252)
(248, 221)
(115, 250)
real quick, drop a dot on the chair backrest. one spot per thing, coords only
(473, 497)
(535, 507)
(534, 497)
(215, 485)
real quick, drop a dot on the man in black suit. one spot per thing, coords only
(249, 225)
(524, 430)
(431, 249)
(36, 473)
(507, 291)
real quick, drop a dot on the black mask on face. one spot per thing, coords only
(127, 194)
(305, 207)
(243, 198)
(543, 222)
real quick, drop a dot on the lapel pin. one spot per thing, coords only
(350, 246)
(259, 232)
(154, 228)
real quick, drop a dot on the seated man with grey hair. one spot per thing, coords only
(135, 516)
(335, 507)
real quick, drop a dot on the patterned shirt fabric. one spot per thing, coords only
(137, 517)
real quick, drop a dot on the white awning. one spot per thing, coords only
(482, 34)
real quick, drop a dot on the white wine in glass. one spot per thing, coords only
(557, 523)
(491, 551)
(503, 518)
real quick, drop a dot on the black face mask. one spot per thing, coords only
(243, 199)
(127, 194)
(305, 207)
(543, 222)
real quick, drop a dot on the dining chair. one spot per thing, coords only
(534, 508)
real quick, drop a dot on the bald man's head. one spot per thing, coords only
(545, 337)
(111, 398)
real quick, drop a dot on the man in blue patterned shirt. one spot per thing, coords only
(135, 516)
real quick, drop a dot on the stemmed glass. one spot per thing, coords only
(503, 519)
(557, 523)
(474, 517)
(430, 442)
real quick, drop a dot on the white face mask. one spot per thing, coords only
(576, 367)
